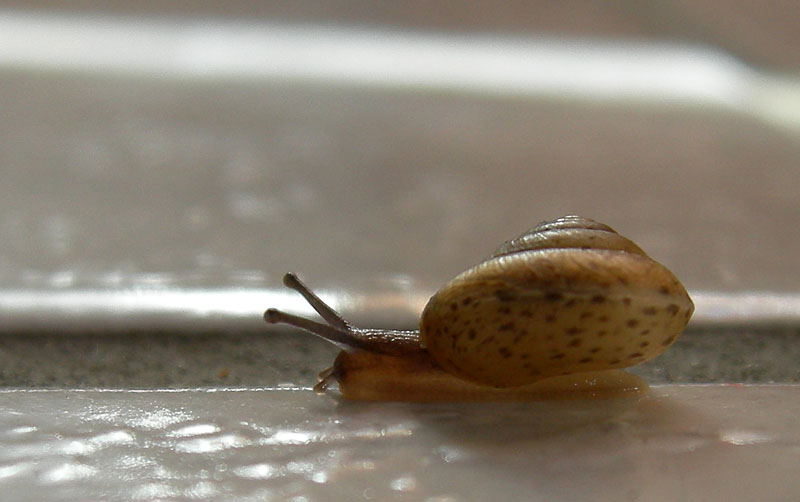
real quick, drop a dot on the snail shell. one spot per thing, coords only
(568, 296)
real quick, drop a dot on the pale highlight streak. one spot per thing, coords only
(199, 310)
(638, 72)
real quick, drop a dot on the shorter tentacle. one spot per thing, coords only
(325, 378)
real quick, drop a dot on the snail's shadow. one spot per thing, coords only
(497, 426)
(563, 450)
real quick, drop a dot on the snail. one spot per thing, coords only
(553, 313)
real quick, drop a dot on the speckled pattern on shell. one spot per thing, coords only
(521, 317)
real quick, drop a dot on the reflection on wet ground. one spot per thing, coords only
(677, 442)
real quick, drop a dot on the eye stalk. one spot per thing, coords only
(338, 330)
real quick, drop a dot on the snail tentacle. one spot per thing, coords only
(342, 338)
(291, 281)
(325, 378)
(341, 332)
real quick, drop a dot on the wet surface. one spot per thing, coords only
(148, 191)
(676, 443)
(141, 192)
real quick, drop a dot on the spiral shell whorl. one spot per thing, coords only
(568, 232)
(572, 221)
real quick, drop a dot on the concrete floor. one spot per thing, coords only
(170, 361)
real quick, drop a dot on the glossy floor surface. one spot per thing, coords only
(690, 443)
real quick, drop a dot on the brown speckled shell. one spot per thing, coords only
(590, 300)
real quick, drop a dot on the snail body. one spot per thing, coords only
(553, 312)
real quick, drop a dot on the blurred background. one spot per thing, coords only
(163, 165)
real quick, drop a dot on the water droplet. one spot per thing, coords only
(212, 444)
(67, 472)
(257, 471)
(743, 438)
(193, 430)
(404, 484)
